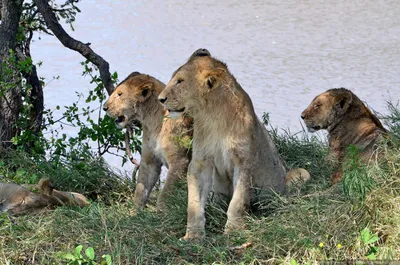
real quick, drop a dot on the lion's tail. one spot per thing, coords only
(297, 176)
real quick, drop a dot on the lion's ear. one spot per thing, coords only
(45, 186)
(211, 78)
(199, 53)
(343, 101)
(145, 91)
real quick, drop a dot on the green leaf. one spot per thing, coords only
(108, 259)
(90, 253)
(372, 239)
(293, 262)
(68, 256)
(371, 256)
(365, 235)
(78, 250)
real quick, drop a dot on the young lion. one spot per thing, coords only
(348, 122)
(46, 187)
(233, 153)
(16, 199)
(135, 101)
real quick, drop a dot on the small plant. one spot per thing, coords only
(367, 238)
(89, 259)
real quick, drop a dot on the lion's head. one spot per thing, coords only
(132, 99)
(46, 186)
(193, 84)
(327, 109)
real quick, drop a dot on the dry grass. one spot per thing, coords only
(307, 225)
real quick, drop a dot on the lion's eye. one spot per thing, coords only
(317, 105)
(119, 94)
(179, 81)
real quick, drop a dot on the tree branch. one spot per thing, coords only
(73, 44)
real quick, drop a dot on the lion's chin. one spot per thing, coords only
(312, 129)
(175, 114)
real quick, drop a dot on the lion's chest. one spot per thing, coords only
(220, 152)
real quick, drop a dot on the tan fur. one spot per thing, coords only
(17, 200)
(233, 153)
(348, 122)
(135, 99)
(46, 188)
(297, 177)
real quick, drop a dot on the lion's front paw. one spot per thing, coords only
(193, 236)
(236, 225)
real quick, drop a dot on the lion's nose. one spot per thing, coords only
(162, 100)
(105, 108)
(302, 117)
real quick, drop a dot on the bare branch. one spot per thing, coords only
(51, 21)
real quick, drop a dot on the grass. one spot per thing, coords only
(308, 224)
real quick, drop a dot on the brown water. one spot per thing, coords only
(283, 53)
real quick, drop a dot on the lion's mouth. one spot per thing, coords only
(176, 113)
(119, 120)
(312, 129)
(136, 124)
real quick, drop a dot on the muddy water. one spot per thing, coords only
(283, 53)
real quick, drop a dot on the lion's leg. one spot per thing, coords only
(240, 200)
(149, 173)
(199, 184)
(176, 172)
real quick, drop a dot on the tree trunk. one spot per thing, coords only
(10, 95)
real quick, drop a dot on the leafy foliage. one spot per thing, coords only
(89, 259)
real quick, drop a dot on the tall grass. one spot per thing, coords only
(307, 225)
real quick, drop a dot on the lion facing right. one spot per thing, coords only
(348, 122)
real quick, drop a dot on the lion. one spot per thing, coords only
(348, 122)
(17, 200)
(165, 141)
(46, 188)
(232, 152)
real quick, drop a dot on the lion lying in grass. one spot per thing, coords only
(165, 141)
(348, 122)
(17, 200)
(233, 153)
(46, 188)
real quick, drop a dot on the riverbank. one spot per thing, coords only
(310, 223)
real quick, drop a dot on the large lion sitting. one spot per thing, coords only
(233, 153)
(135, 101)
(348, 122)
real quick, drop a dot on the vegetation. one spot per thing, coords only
(357, 219)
